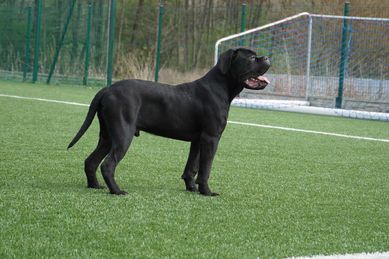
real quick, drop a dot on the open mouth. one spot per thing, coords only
(257, 83)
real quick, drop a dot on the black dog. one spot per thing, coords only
(195, 112)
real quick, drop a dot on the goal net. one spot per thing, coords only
(319, 58)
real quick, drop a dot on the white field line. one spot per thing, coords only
(43, 100)
(230, 122)
(309, 131)
(383, 255)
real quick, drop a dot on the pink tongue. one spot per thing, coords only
(263, 79)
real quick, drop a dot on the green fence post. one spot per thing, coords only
(38, 21)
(243, 22)
(26, 66)
(111, 38)
(158, 51)
(343, 56)
(60, 43)
(87, 45)
(243, 17)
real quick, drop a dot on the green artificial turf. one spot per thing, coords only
(282, 193)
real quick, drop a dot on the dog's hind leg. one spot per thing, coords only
(121, 135)
(95, 158)
(192, 167)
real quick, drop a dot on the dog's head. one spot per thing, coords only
(246, 67)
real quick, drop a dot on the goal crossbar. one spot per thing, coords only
(233, 36)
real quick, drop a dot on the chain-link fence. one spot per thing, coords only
(32, 36)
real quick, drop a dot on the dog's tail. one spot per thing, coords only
(89, 117)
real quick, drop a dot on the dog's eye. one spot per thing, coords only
(253, 58)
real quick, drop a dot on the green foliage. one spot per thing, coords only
(282, 193)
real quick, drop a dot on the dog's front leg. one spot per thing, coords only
(192, 167)
(208, 146)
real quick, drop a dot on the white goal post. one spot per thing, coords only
(307, 64)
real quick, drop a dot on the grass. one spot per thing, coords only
(282, 193)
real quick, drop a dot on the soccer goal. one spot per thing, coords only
(322, 61)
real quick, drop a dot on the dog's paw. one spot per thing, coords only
(204, 190)
(190, 185)
(192, 188)
(119, 192)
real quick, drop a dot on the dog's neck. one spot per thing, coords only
(231, 86)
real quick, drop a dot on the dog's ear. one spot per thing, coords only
(225, 60)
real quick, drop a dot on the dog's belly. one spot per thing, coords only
(172, 121)
(168, 133)
(181, 130)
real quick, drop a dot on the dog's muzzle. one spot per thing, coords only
(259, 82)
